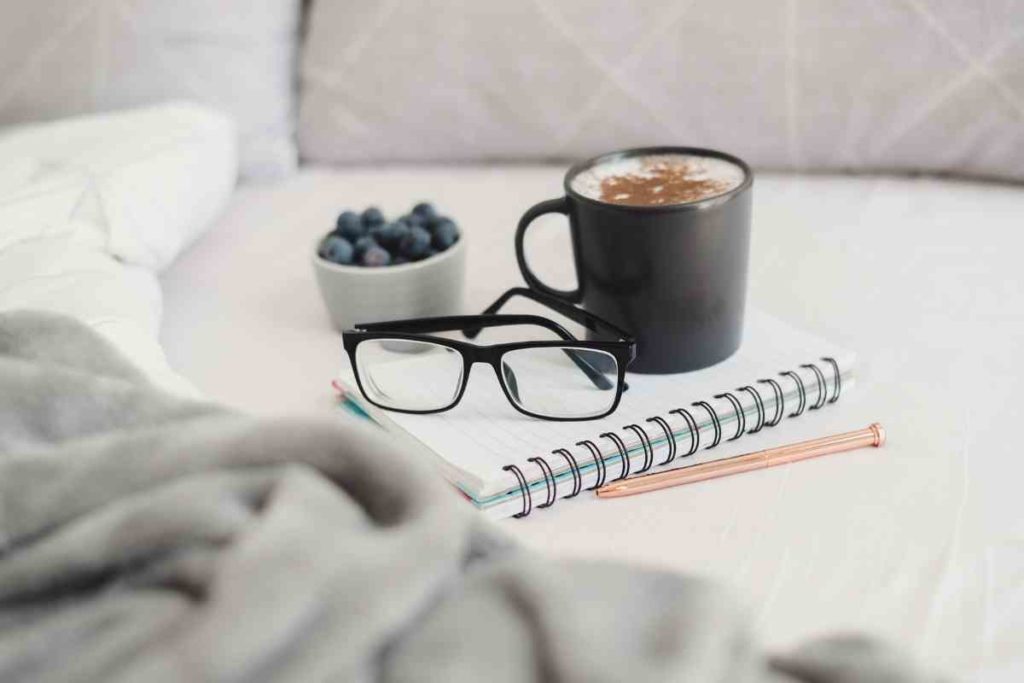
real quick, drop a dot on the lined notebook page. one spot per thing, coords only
(483, 434)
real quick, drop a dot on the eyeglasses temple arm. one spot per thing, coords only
(574, 313)
(592, 373)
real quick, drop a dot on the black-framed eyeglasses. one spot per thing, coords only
(399, 366)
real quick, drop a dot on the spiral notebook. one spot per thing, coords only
(510, 465)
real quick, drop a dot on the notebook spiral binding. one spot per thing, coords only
(524, 489)
(714, 421)
(577, 477)
(780, 401)
(669, 438)
(761, 421)
(623, 453)
(801, 392)
(602, 468)
(819, 381)
(837, 377)
(550, 489)
(741, 415)
(646, 443)
(758, 404)
(691, 426)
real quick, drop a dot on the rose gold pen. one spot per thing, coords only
(874, 435)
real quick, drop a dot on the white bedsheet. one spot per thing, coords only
(922, 542)
(92, 207)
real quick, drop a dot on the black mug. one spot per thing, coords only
(675, 276)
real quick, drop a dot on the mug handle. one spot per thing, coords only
(560, 205)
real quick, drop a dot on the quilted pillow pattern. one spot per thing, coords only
(896, 85)
(60, 58)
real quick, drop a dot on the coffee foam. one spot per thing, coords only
(699, 177)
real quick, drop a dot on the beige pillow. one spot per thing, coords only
(896, 85)
(60, 58)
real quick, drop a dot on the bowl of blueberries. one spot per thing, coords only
(371, 269)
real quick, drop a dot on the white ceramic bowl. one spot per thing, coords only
(354, 294)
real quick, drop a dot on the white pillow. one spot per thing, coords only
(91, 208)
(888, 85)
(148, 181)
(60, 58)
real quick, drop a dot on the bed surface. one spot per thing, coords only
(922, 542)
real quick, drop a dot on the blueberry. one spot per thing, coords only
(400, 231)
(415, 244)
(376, 232)
(430, 252)
(363, 244)
(436, 220)
(398, 260)
(389, 235)
(445, 234)
(349, 226)
(425, 210)
(375, 256)
(372, 216)
(412, 219)
(337, 250)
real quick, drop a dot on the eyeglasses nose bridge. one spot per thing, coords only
(503, 372)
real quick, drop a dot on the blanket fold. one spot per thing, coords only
(146, 537)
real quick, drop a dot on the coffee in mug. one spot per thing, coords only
(660, 243)
(658, 179)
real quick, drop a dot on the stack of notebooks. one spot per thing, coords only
(508, 464)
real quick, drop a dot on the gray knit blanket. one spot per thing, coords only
(146, 538)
